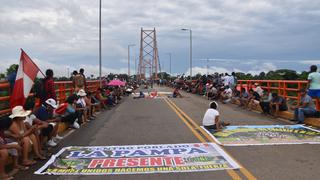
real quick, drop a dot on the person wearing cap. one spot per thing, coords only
(25, 137)
(45, 113)
(258, 89)
(211, 119)
(84, 106)
(305, 107)
(254, 100)
(68, 112)
(8, 148)
(31, 120)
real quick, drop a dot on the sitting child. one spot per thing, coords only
(211, 119)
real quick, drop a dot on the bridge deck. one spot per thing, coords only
(158, 121)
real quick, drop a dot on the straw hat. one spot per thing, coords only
(81, 92)
(52, 103)
(18, 111)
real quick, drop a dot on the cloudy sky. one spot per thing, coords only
(236, 35)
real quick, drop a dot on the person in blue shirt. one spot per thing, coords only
(45, 113)
(306, 107)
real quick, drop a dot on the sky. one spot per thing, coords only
(236, 35)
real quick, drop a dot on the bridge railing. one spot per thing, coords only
(63, 90)
(286, 88)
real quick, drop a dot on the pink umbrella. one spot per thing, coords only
(116, 83)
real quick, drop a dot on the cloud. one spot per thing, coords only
(310, 62)
(66, 31)
(264, 67)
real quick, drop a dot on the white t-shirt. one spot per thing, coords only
(29, 119)
(315, 80)
(210, 117)
(82, 102)
(228, 92)
(259, 90)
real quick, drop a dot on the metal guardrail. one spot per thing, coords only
(286, 88)
(63, 90)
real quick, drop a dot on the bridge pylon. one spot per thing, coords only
(149, 57)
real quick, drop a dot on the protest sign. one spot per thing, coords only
(138, 159)
(266, 135)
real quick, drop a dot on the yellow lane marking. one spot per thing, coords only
(231, 172)
(244, 171)
(186, 122)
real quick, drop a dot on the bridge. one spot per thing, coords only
(177, 120)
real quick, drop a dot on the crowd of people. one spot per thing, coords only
(29, 132)
(223, 88)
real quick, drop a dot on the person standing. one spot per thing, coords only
(314, 83)
(49, 89)
(84, 78)
(78, 82)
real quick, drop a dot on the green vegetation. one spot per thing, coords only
(281, 74)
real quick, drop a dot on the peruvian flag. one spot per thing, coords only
(26, 74)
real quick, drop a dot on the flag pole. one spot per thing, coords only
(32, 62)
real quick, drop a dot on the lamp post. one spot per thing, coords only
(130, 45)
(100, 73)
(190, 30)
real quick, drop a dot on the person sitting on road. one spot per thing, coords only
(176, 93)
(211, 119)
(226, 95)
(254, 100)
(278, 103)
(212, 93)
(235, 96)
(306, 107)
(45, 113)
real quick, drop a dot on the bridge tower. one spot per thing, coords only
(149, 57)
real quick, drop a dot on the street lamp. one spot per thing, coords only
(190, 30)
(100, 64)
(130, 45)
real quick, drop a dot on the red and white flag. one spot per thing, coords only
(26, 74)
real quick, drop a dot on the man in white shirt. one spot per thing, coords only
(211, 119)
(226, 95)
(258, 89)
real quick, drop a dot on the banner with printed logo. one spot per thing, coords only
(138, 159)
(265, 135)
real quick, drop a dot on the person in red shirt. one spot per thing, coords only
(49, 86)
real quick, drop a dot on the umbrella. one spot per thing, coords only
(116, 83)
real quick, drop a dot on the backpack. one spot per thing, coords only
(40, 90)
(61, 109)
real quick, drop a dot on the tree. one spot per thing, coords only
(12, 68)
(2, 75)
(303, 75)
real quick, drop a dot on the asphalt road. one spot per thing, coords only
(153, 121)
